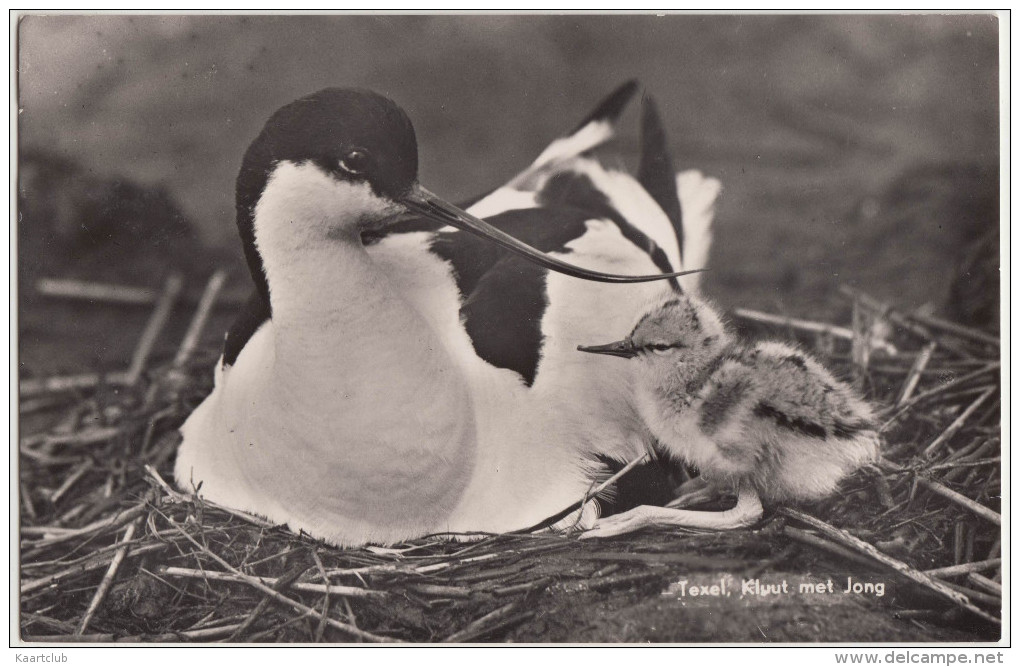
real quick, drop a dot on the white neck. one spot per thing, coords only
(356, 369)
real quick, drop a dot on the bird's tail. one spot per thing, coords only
(597, 128)
(655, 172)
(698, 194)
(687, 198)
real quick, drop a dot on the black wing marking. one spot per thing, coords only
(503, 316)
(611, 106)
(576, 190)
(253, 314)
(655, 172)
(504, 295)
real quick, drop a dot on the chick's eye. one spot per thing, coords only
(660, 348)
(355, 162)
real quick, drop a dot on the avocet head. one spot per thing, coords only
(678, 332)
(338, 162)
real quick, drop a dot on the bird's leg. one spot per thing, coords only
(694, 492)
(745, 513)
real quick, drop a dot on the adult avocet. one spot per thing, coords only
(394, 377)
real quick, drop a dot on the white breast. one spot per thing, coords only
(384, 424)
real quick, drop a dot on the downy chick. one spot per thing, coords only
(763, 419)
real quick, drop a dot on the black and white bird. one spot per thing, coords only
(405, 368)
(764, 420)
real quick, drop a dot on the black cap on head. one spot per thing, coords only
(356, 135)
(333, 125)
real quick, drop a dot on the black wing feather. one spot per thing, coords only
(655, 172)
(253, 314)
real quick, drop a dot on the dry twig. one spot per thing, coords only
(256, 583)
(111, 573)
(849, 540)
(157, 321)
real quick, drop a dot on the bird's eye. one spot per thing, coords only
(660, 348)
(356, 162)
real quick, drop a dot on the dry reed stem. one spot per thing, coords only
(964, 568)
(689, 560)
(35, 386)
(914, 376)
(931, 393)
(436, 590)
(34, 405)
(73, 639)
(961, 500)
(169, 535)
(60, 626)
(70, 481)
(320, 630)
(178, 497)
(968, 451)
(483, 624)
(75, 570)
(44, 459)
(26, 501)
(958, 536)
(527, 587)
(860, 345)
(793, 323)
(155, 325)
(253, 616)
(212, 575)
(621, 580)
(111, 573)
(125, 295)
(959, 330)
(996, 548)
(958, 423)
(61, 534)
(946, 492)
(191, 635)
(964, 463)
(280, 585)
(92, 436)
(928, 582)
(82, 290)
(984, 582)
(198, 322)
(977, 596)
(826, 545)
(279, 597)
(886, 311)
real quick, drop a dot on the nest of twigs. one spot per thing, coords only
(110, 552)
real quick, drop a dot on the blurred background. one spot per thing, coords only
(858, 150)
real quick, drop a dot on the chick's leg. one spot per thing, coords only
(746, 512)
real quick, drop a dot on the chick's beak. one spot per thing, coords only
(621, 348)
(421, 201)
